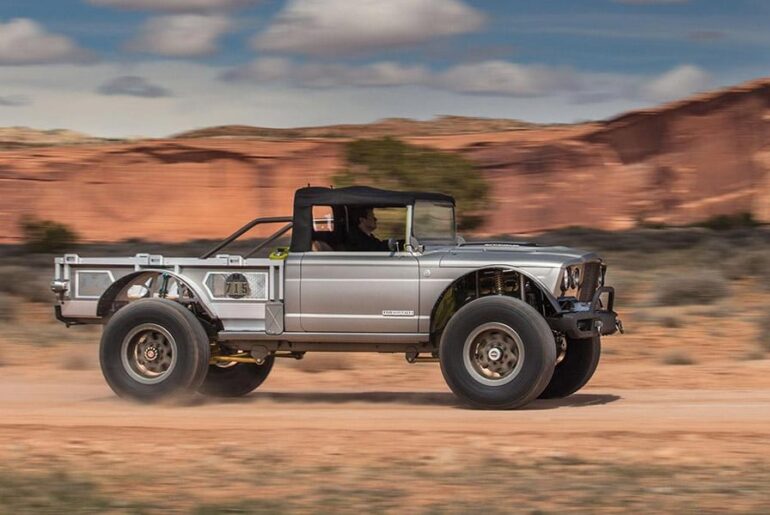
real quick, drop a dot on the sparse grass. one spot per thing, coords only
(56, 492)
(693, 287)
(678, 357)
(414, 486)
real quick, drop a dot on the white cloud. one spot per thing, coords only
(133, 86)
(182, 35)
(65, 97)
(485, 78)
(14, 101)
(181, 6)
(328, 27)
(676, 83)
(506, 78)
(24, 41)
(328, 75)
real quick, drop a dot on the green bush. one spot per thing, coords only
(47, 236)
(729, 222)
(392, 164)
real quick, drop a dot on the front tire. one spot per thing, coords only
(235, 380)
(152, 350)
(497, 353)
(576, 369)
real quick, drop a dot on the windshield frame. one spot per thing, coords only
(422, 240)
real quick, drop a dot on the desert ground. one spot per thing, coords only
(677, 417)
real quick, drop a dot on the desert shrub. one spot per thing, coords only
(46, 235)
(754, 263)
(729, 222)
(693, 287)
(27, 283)
(7, 308)
(678, 357)
(393, 164)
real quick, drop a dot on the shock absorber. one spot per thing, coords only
(499, 282)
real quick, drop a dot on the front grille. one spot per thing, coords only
(591, 272)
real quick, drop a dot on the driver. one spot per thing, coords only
(360, 237)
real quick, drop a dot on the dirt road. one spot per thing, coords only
(386, 443)
(296, 416)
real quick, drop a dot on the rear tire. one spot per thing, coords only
(152, 350)
(235, 380)
(576, 369)
(497, 353)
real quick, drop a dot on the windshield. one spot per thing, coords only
(434, 221)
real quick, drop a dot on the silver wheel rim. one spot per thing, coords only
(493, 354)
(149, 353)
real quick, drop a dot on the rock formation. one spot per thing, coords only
(676, 164)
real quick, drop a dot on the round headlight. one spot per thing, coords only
(575, 277)
(565, 279)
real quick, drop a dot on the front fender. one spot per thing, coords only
(110, 294)
(547, 295)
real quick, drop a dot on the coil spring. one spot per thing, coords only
(499, 282)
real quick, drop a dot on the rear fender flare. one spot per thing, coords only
(111, 293)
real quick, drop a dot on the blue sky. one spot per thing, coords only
(155, 67)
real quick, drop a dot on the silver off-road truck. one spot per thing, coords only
(508, 322)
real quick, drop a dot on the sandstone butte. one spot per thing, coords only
(678, 163)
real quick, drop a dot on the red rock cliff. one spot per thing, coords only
(678, 163)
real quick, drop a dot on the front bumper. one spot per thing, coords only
(586, 320)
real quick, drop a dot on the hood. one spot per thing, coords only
(542, 263)
(511, 253)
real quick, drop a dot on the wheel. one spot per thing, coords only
(235, 379)
(497, 353)
(576, 369)
(154, 349)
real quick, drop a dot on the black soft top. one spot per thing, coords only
(362, 196)
(306, 198)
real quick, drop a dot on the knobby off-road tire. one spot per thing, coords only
(526, 351)
(153, 350)
(576, 369)
(235, 380)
